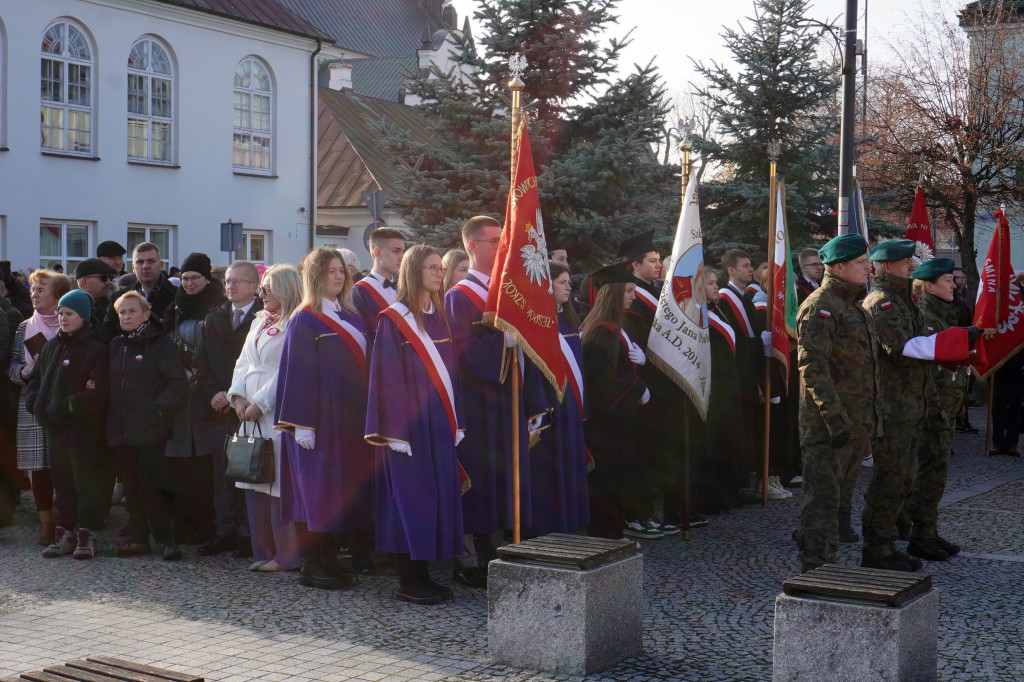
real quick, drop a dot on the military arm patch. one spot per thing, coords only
(885, 305)
(824, 313)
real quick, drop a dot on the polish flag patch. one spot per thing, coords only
(824, 313)
(886, 305)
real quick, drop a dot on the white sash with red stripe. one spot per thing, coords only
(576, 376)
(421, 342)
(728, 295)
(647, 299)
(724, 329)
(475, 292)
(353, 338)
(375, 289)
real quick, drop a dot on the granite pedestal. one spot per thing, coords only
(819, 639)
(565, 621)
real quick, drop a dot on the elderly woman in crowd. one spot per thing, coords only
(33, 452)
(147, 389)
(253, 395)
(326, 468)
(414, 419)
(189, 467)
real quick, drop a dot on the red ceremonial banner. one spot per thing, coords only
(999, 306)
(919, 228)
(520, 301)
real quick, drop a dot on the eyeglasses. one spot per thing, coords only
(813, 265)
(232, 282)
(103, 278)
(435, 269)
(492, 242)
(263, 290)
(192, 279)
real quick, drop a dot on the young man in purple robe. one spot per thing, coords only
(487, 453)
(414, 419)
(378, 290)
(326, 466)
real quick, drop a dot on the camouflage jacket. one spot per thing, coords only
(836, 359)
(950, 388)
(895, 319)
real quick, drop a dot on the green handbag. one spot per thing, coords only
(250, 457)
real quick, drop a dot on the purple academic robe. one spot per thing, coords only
(368, 308)
(558, 463)
(486, 452)
(322, 386)
(417, 505)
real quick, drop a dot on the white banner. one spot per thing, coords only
(680, 344)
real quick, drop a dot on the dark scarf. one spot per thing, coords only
(138, 332)
(196, 306)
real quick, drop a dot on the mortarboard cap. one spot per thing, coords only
(636, 247)
(618, 273)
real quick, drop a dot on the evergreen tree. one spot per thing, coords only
(780, 90)
(593, 134)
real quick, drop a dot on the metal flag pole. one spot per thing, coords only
(517, 64)
(999, 305)
(773, 156)
(685, 146)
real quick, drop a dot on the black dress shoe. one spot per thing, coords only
(471, 577)
(927, 549)
(216, 546)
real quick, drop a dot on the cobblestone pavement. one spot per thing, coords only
(709, 603)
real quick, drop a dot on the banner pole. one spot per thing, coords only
(773, 157)
(686, 473)
(988, 418)
(517, 63)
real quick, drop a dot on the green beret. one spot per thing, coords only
(931, 270)
(843, 248)
(893, 249)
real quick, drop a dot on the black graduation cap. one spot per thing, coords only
(635, 247)
(618, 273)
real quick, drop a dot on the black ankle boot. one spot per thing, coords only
(423, 573)
(410, 587)
(314, 573)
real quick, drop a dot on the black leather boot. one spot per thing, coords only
(410, 587)
(423, 572)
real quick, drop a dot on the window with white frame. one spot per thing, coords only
(64, 243)
(150, 102)
(253, 120)
(254, 247)
(66, 79)
(161, 235)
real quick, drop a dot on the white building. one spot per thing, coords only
(156, 120)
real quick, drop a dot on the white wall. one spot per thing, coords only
(204, 191)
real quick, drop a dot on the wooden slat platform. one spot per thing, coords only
(568, 551)
(103, 669)
(861, 585)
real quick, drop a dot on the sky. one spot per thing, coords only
(673, 31)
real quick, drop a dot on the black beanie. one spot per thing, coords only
(197, 262)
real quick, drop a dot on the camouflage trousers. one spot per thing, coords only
(829, 477)
(933, 452)
(892, 479)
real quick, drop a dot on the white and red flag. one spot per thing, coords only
(520, 301)
(999, 310)
(784, 302)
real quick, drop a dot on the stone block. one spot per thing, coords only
(558, 620)
(818, 639)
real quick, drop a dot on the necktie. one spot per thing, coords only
(237, 318)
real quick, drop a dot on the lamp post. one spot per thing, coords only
(846, 153)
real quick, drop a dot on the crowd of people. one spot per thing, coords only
(388, 408)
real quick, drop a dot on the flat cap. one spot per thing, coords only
(893, 249)
(934, 268)
(94, 266)
(635, 247)
(617, 273)
(843, 248)
(110, 249)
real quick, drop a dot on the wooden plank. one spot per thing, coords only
(859, 592)
(112, 673)
(72, 673)
(43, 677)
(146, 669)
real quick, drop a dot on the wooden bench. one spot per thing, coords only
(103, 669)
(861, 585)
(560, 550)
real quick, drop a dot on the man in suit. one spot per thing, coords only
(811, 272)
(223, 336)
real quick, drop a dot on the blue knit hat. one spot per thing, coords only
(79, 301)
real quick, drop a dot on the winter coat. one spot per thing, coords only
(57, 393)
(160, 299)
(147, 387)
(215, 358)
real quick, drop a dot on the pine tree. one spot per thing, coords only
(593, 133)
(779, 90)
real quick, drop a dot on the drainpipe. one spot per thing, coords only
(312, 142)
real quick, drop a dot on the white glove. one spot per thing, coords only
(776, 400)
(459, 435)
(510, 342)
(766, 339)
(646, 397)
(306, 438)
(404, 448)
(534, 424)
(636, 355)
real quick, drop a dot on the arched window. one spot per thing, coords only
(150, 102)
(253, 122)
(67, 89)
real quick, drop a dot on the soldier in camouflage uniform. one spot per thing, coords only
(949, 394)
(838, 384)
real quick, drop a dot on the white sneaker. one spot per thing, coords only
(774, 482)
(635, 529)
(663, 528)
(868, 461)
(796, 481)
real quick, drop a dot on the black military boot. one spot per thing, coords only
(928, 549)
(893, 562)
(847, 534)
(952, 549)
(410, 587)
(914, 563)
